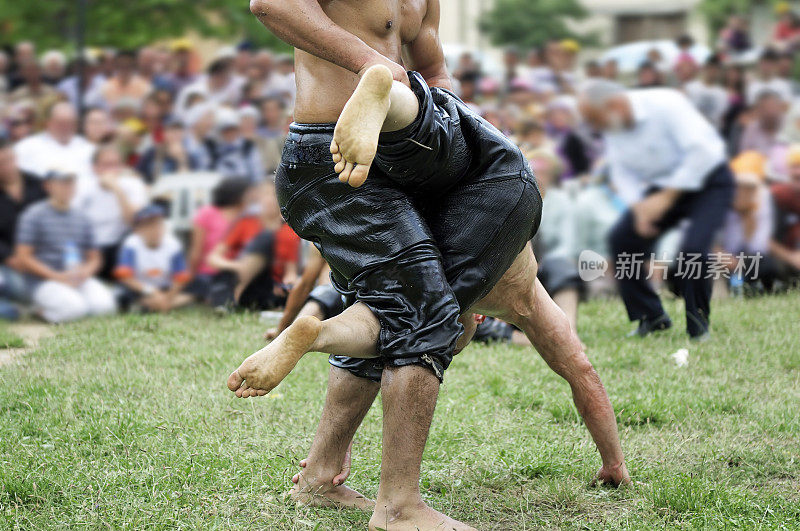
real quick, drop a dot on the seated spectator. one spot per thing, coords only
(170, 156)
(554, 244)
(18, 190)
(560, 125)
(258, 259)
(125, 83)
(97, 126)
(231, 154)
(761, 134)
(734, 37)
(151, 266)
(708, 94)
(768, 79)
(199, 124)
(211, 223)
(748, 226)
(648, 75)
(788, 137)
(34, 89)
(55, 246)
(58, 146)
(785, 245)
(110, 200)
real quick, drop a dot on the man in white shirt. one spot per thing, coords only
(668, 163)
(58, 146)
(110, 200)
(706, 93)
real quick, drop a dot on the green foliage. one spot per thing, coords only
(716, 12)
(129, 24)
(525, 23)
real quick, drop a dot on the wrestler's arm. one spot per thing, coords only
(304, 25)
(424, 54)
(301, 290)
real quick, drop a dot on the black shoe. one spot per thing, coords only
(648, 326)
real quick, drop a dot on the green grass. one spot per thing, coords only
(9, 339)
(126, 423)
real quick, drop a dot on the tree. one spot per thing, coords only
(129, 23)
(717, 12)
(531, 23)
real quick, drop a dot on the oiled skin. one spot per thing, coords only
(403, 34)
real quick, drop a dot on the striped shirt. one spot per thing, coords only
(52, 233)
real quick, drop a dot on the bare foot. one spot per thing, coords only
(612, 476)
(325, 494)
(418, 518)
(263, 371)
(355, 139)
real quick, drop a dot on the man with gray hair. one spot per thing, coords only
(668, 163)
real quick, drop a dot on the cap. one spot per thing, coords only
(147, 213)
(570, 45)
(59, 174)
(226, 118)
(181, 45)
(749, 167)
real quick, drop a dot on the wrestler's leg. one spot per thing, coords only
(378, 104)
(352, 333)
(409, 397)
(520, 298)
(320, 482)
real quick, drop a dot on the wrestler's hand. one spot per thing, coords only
(339, 478)
(612, 476)
(398, 72)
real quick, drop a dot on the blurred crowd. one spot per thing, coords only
(87, 143)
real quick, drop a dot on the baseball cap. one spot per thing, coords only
(59, 174)
(147, 213)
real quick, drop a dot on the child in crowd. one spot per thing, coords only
(151, 266)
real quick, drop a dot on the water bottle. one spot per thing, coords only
(737, 285)
(72, 256)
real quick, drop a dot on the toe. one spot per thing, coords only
(339, 168)
(336, 157)
(334, 147)
(358, 176)
(345, 175)
(235, 380)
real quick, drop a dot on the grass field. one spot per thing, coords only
(126, 423)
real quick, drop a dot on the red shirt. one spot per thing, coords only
(287, 251)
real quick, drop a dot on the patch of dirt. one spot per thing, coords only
(31, 333)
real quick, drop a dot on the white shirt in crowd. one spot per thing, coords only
(710, 100)
(41, 153)
(782, 87)
(104, 211)
(670, 145)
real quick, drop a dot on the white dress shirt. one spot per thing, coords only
(38, 154)
(669, 145)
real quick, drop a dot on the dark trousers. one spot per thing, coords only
(705, 211)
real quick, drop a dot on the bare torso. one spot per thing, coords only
(323, 88)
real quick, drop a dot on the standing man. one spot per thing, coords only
(413, 263)
(668, 163)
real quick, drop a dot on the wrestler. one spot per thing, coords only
(448, 207)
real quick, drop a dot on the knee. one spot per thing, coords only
(101, 302)
(64, 310)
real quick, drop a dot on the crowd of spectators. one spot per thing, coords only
(86, 142)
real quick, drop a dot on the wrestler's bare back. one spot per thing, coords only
(323, 88)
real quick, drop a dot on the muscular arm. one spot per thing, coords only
(424, 54)
(304, 25)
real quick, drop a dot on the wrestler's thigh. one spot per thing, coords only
(514, 295)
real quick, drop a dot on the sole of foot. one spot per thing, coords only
(422, 518)
(329, 496)
(263, 371)
(355, 138)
